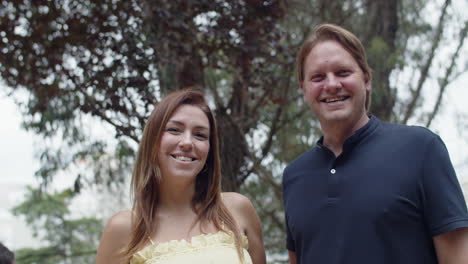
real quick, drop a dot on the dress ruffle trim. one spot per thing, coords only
(181, 246)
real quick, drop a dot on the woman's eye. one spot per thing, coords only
(201, 135)
(172, 129)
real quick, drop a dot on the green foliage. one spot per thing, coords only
(89, 63)
(64, 239)
(45, 255)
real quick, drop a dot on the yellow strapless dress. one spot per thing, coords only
(212, 248)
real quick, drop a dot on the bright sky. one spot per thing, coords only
(18, 166)
(18, 163)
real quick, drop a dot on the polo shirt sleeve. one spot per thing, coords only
(290, 245)
(443, 201)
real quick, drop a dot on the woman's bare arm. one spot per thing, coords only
(114, 238)
(244, 212)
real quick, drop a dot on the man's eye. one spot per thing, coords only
(316, 78)
(343, 73)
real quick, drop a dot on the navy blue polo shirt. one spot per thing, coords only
(380, 201)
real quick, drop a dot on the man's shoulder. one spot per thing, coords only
(306, 159)
(406, 131)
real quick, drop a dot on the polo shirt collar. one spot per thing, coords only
(358, 135)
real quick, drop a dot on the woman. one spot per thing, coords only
(179, 214)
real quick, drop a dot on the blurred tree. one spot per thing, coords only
(85, 62)
(66, 240)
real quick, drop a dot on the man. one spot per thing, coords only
(369, 191)
(6, 256)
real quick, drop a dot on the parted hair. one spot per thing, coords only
(6, 256)
(146, 178)
(346, 39)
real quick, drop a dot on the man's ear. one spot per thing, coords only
(368, 82)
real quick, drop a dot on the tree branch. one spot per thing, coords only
(211, 85)
(444, 82)
(127, 131)
(427, 65)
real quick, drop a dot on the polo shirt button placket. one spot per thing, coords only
(333, 186)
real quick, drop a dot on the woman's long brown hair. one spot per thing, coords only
(146, 178)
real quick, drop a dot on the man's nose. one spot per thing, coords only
(332, 83)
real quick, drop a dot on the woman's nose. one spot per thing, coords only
(186, 141)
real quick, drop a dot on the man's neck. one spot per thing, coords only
(335, 134)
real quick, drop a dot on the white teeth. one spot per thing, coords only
(182, 158)
(330, 100)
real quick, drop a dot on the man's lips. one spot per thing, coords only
(334, 99)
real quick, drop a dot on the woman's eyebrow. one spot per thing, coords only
(179, 123)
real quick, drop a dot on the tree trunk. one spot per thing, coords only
(382, 26)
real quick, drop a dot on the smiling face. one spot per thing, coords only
(185, 143)
(334, 85)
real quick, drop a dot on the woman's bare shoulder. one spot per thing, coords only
(115, 237)
(238, 204)
(235, 199)
(244, 212)
(121, 222)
